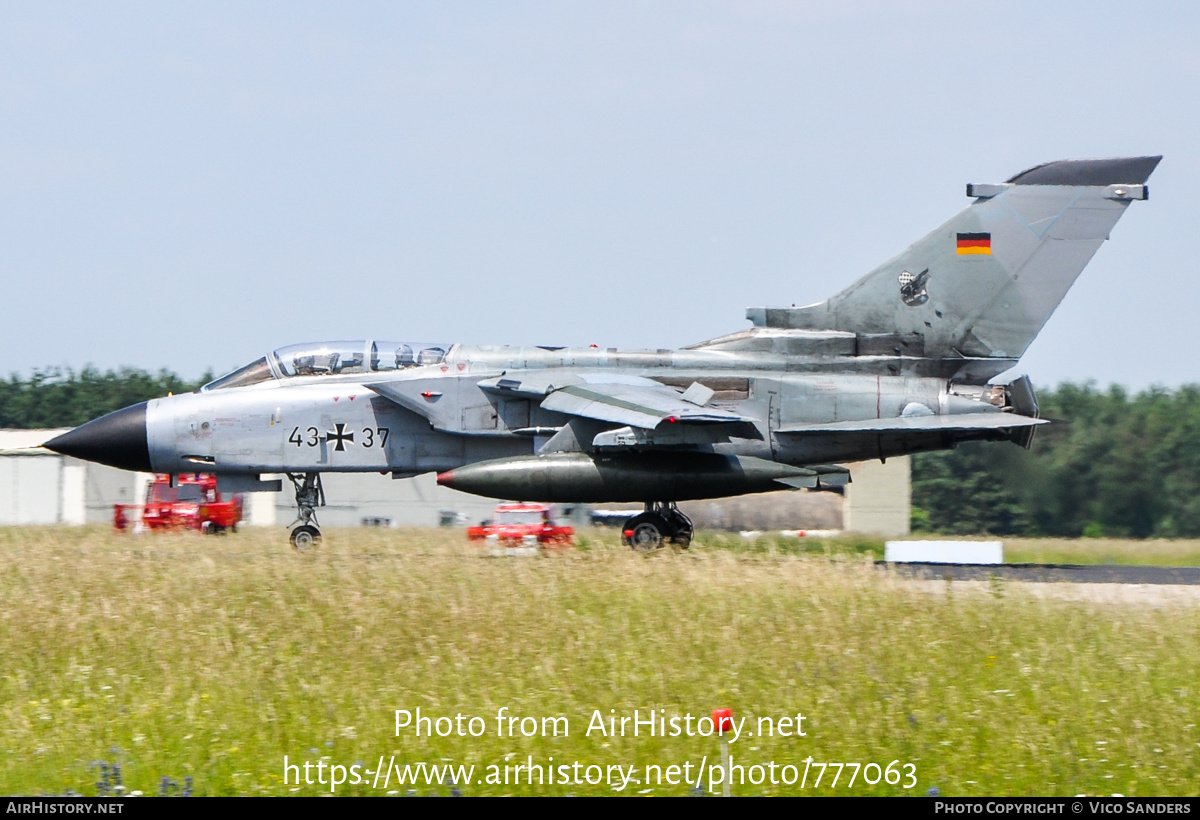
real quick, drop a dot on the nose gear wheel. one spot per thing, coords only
(309, 495)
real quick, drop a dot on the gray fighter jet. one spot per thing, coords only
(902, 361)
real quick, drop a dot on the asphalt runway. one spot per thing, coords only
(1048, 573)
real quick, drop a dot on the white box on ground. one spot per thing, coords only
(944, 552)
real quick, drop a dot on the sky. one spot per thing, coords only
(190, 185)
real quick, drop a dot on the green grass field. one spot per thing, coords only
(1158, 552)
(214, 657)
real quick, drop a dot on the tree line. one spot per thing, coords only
(1110, 464)
(60, 397)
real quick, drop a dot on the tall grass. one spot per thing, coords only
(213, 657)
(1157, 552)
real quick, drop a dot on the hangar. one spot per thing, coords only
(40, 487)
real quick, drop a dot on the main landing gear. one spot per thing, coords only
(661, 523)
(309, 495)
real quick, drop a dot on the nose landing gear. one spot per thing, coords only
(309, 495)
(661, 523)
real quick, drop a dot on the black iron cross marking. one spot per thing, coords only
(340, 437)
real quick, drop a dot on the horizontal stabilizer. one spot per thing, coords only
(960, 422)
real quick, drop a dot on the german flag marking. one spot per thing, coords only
(974, 243)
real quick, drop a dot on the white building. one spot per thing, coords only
(879, 498)
(41, 487)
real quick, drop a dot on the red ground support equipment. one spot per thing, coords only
(193, 503)
(515, 525)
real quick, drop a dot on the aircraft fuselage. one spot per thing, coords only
(328, 423)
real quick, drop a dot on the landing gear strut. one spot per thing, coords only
(309, 495)
(661, 523)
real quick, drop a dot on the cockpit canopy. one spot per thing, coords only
(333, 359)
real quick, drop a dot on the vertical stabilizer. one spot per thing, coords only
(985, 282)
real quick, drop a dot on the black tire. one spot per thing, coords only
(647, 532)
(305, 536)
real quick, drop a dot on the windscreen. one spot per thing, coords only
(525, 517)
(190, 492)
(166, 494)
(161, 494)
(252, 373)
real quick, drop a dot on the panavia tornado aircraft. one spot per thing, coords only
(901, 361)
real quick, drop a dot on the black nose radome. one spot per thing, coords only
(118, 440)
